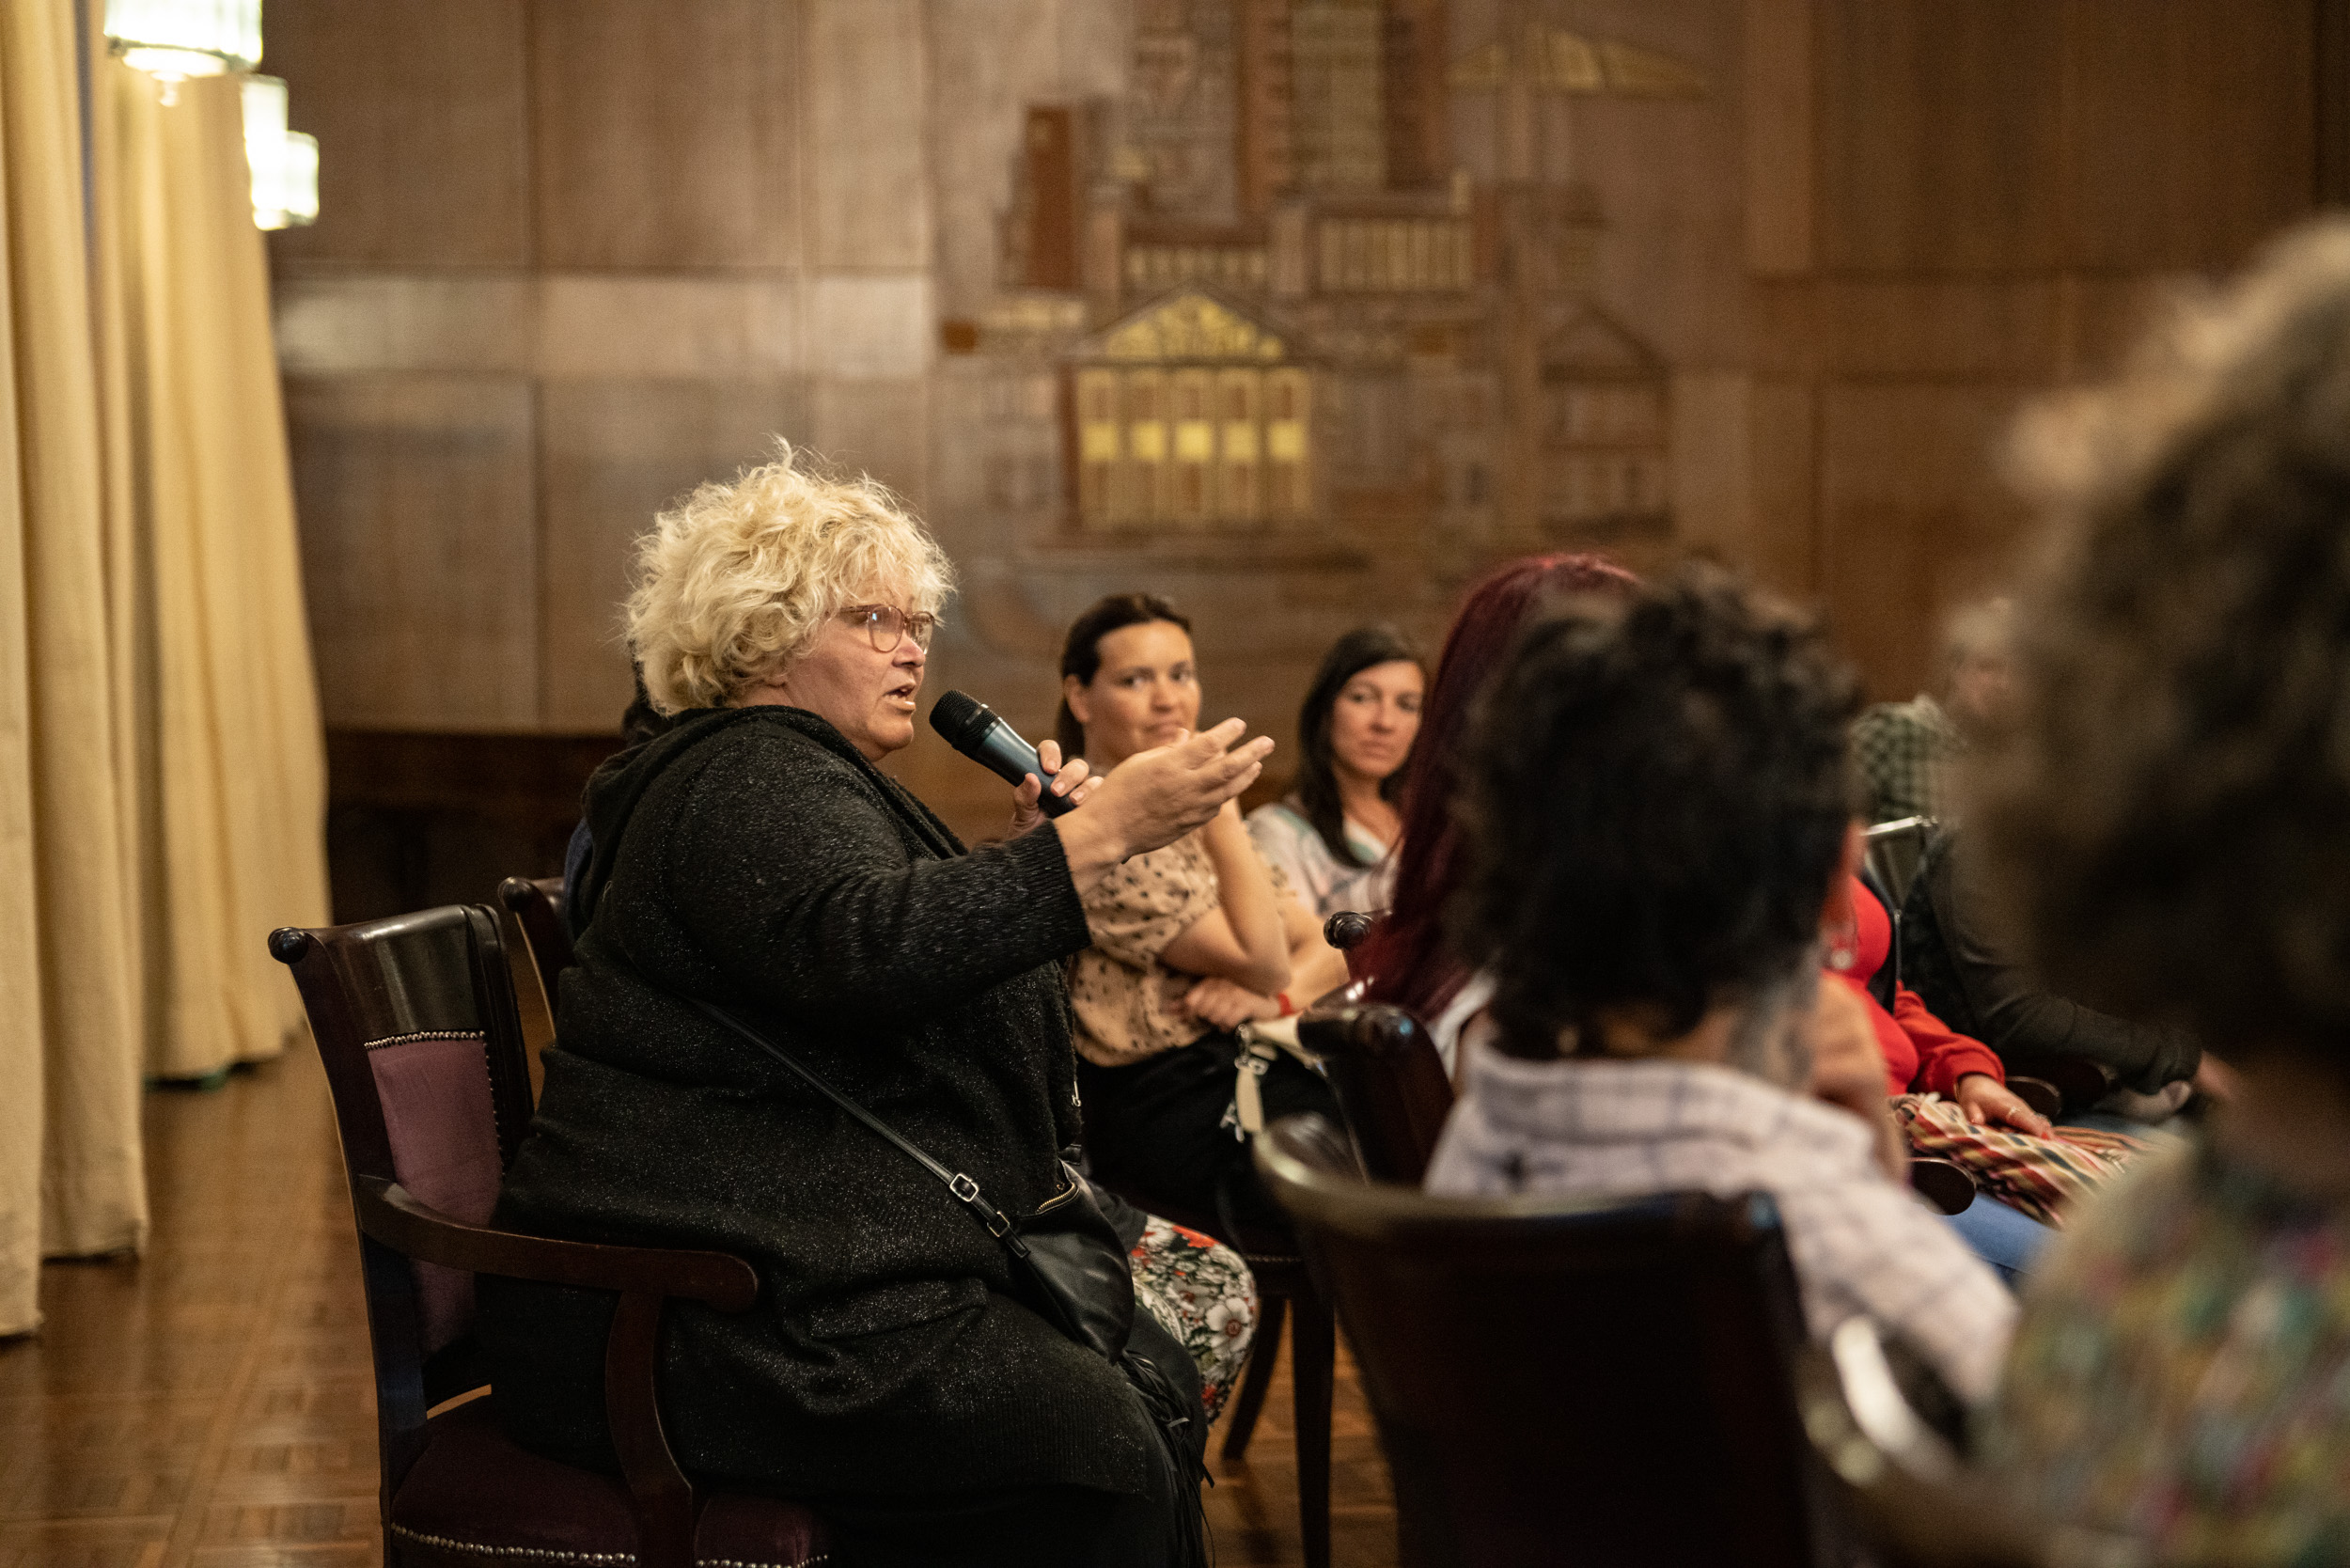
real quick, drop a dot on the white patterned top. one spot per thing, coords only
(1288, 840)
(1613, 1128)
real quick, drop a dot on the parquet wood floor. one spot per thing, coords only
(211, 1404)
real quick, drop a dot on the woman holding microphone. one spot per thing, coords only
(755, 857)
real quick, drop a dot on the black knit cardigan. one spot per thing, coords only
(752, 856)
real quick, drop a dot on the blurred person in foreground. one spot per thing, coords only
(754, 856)
(1658, 814)
(1906, 752)
(1407, 958)
(1333, 835)
(2172, 827)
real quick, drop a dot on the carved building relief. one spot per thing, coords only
(1279, 303)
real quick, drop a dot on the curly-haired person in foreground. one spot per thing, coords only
(2173, 829)
(1657, 809)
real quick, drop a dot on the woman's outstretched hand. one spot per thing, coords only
(1154, 797)
(1076, 781)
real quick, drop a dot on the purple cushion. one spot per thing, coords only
(436, 1091)
(475, 1495)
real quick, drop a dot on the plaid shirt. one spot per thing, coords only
(1903, 751)
(1859, 1243)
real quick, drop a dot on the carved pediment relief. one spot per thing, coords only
(1190, 325)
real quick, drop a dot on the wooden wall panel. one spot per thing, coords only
(420, 111)
(1913, 517)
(882, 427)
(2195, 127)
(1939, 127)
(1783, 459)
(615, 453)
(667, 136)
(414, 493)
(867, 91)
(1778, 135)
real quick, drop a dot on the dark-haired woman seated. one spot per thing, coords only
(1190, 943)
(1333, 835)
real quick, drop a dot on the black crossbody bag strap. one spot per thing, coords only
(964, 1190)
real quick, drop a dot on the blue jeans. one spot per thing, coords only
(2007, 1239)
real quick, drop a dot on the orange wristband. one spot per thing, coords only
(1284, 999)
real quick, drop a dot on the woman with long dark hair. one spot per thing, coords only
(1191, 943)
(1333, 835)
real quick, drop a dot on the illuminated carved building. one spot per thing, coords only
(1266, 300)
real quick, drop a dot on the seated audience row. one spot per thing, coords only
(1616, 863)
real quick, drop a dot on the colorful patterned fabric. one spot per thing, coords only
(1201, 1293)
(1903, 751)
(2040, 1176)
(2183, 1371)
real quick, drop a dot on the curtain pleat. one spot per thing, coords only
(233, 842)
(162, 767)
(71, 1173)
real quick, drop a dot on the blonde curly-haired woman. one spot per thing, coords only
(753, 857)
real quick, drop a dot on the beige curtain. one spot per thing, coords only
(71, 1178)
(162, 772)
(234, 811)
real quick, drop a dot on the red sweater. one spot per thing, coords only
(1922, 1054)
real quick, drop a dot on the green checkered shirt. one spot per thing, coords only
(1903, 751)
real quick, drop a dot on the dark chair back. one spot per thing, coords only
(1894, 852)
(537, 903)
(1564, 1381)
(416, 1022)
(1390, 1084)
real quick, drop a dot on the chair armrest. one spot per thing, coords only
(2039, 1094)
(2081, 1081)
(1944, 1184)
(402, 1221)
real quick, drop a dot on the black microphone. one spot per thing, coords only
(972, 728)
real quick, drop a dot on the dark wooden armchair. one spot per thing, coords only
(416, 1024)
(1559, 1380)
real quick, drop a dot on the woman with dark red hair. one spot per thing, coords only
(1406, 954)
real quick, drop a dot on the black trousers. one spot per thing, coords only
(1159, 1127)
(1023, 1526)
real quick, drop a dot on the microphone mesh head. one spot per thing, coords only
(957, 716)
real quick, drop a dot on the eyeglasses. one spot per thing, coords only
(886, 626)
